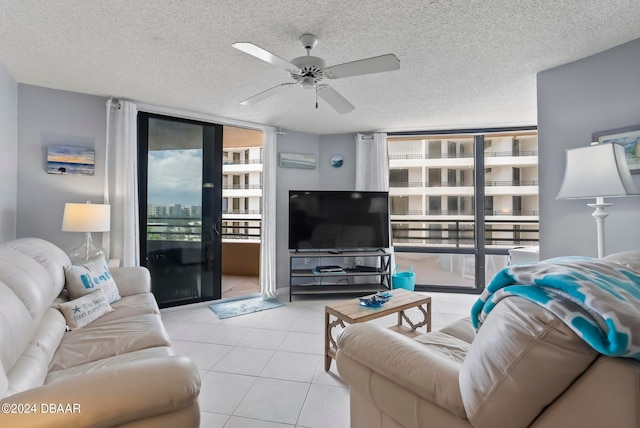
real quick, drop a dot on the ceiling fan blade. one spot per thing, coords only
(266, 94)
(264, 55)
(376, 64)
(334, 99)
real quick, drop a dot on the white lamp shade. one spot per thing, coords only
(86, 217)
(596, 171)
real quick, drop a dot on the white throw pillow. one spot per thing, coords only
(630, 259)
(86, 309)
(91, 276)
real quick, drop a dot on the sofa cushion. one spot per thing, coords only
(461, 329)
(16, 327)
(107, 338)
(129, 306)
(449, 346)
(523, 358)
(141, 355)
(30, 370)
(88, 277)
(51, 257)
(86, 309)
(4, 382)
(132, 280)
(28, 280)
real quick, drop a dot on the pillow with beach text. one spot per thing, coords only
(88, 277)
(86, 309)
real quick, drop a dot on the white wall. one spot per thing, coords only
(52, 117)
(9, 157)
(596, 93)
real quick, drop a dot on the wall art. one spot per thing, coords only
(297, 160)
(68, 160)
(629, 138)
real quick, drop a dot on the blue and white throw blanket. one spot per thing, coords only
(597, 299)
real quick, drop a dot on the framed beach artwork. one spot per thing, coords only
(68, 160)
(297, 160)
(629, 138)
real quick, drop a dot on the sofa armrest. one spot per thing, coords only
(408, 363)
(108, 397)
(131, 280)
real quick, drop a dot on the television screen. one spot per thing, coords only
(338, 220)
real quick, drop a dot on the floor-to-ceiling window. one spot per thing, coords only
(477, 197)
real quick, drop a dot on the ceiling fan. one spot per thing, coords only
(308, 71)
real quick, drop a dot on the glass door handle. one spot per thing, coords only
(216, 227)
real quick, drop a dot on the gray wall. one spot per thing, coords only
(323, 177)
(52, 117)
(9, 157)
(596, 93)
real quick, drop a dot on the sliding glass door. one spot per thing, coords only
(181, 207)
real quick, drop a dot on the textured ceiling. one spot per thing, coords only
(464, 63)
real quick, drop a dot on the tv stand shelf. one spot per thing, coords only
(364, 272)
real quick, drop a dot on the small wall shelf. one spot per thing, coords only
(363, 272)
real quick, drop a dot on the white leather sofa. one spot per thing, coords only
(119, 370)
(524, 368)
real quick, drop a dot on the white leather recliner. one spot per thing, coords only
(523, 368)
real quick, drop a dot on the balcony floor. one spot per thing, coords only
(237, 285)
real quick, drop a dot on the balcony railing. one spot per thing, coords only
(241, 186)
(405, 156)
(241, 161)
(413, 156)
(460, 233)
(405, 184)
(179, 229)
(466, 212)
(511, 183)
(448, 155)
(511, 154)
(491, 183)
(241, 211)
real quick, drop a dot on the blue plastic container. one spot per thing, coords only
(406, 280)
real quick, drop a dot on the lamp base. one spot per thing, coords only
(600, 214)
(85, 252)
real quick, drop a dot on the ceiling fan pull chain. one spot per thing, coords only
(316, 97)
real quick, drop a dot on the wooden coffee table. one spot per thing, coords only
(351, 312)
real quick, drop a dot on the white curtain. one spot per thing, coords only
(372, 169)
(268, 233)
(121, 183)
(372, 162)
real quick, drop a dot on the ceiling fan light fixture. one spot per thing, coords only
(308, 82)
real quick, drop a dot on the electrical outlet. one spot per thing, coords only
(307, 260)
(345, 260)
(358, 261)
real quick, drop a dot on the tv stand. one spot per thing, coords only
(362, 272)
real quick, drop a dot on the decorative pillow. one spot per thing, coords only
(630, 259)
(93, 275)
(86, 309)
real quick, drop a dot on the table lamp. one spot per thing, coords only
(598, 171)
(86, 218)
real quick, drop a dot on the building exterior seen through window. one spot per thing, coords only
(241, 194)
(432, 189)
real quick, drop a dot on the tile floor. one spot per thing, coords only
(265, 370)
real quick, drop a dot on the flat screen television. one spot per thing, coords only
(338, 220)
